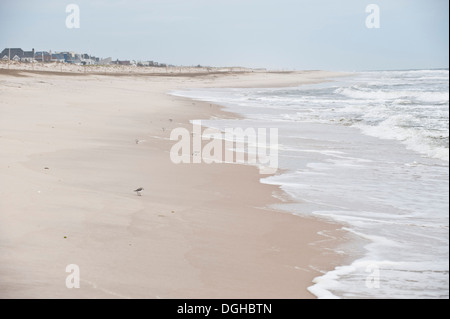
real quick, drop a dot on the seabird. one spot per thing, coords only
(139, 190)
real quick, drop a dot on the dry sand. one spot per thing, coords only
(69, 164)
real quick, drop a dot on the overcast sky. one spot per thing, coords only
(276, 34)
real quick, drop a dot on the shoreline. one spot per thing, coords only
(195, 232)
(332, 237)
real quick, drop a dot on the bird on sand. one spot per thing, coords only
(139, 190)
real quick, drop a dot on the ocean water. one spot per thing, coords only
(371, 152)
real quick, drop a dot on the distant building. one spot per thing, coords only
(75, 59)
(43, 56)
(28, 56)
(11, 53)
(17, 54)
(105, 61)
(58, 57)
(122, 62)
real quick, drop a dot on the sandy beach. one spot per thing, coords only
(69, 164)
